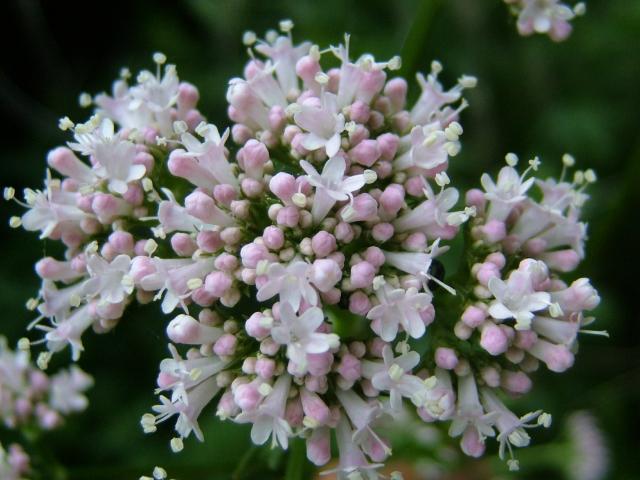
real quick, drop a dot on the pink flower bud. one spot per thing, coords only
(358, 135)
(209, 241)
(362, 274)
(107, 207)
(319, 446)
(319, 363)
(122, 242)
(558, 358)
(381, 232)
(578, 297)
(415, 242)
(141, 267)
(365, 153)
(374, 256)
(314, 407)
(225, 345)
(247, 396)
(218, 283)
(494, 231)
(359, 112)
(359, 303)
(224, 194)
(324, 274)
(491, 376)
(188, 96)
(475, 198)
(392, 199)
(256, 326)
(493, 339)
(471, 443)
(293, 413)
(134, 195)
(273, 238)
(486, 272)
(363, 208)
(388, 144)
(187, 330)
(376, 345)
(446, 358)
(283, 186)
(251, 188)
(241, 133)
(561, 260)
(277, 119)
(396, 91)
(343, 232)
(288, 216)
(64, 161)
(254, 155)
(183, 244)
(414, 186)
(252, 253)
(323, 243)
(199, 204)
(265, 367)
(227, 406)
(473, 316)
(497, 259)
(307, 68)
(350, 368)
(516, 383)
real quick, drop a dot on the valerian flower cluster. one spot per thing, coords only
(548, 17)
(32, 400)
(299, 253)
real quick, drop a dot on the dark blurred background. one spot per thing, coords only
(533, 97)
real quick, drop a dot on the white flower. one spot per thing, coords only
(189, 410)
(398, 307)
(516, 299)
(211, 154)
(50, 210)
(284, 57)
(362, 416)
(69, 330)
(290, 282)
(268, 419)
(299, 334)
(188, 373)
(114, 156)
(331, 186)
(430, 148)
(430, 214)
(418, 264)
(469, 412)
(511, 428)
(393, 376)
(171, 279)
(109, 280)
(509, 190)
(324, 124)
(67, 389)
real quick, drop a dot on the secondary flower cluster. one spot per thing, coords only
(550, 17)
(29, 397)
(14, 463)
(301, 263)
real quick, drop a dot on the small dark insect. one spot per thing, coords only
(436, 270)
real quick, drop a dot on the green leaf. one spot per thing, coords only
(347, 325)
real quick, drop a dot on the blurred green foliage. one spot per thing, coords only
(534, 97)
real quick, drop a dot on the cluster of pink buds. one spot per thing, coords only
(29, 397)
(300, 259)
(14, 463)
(549, 17)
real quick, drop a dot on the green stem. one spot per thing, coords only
(413, 46)
(297, 465)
